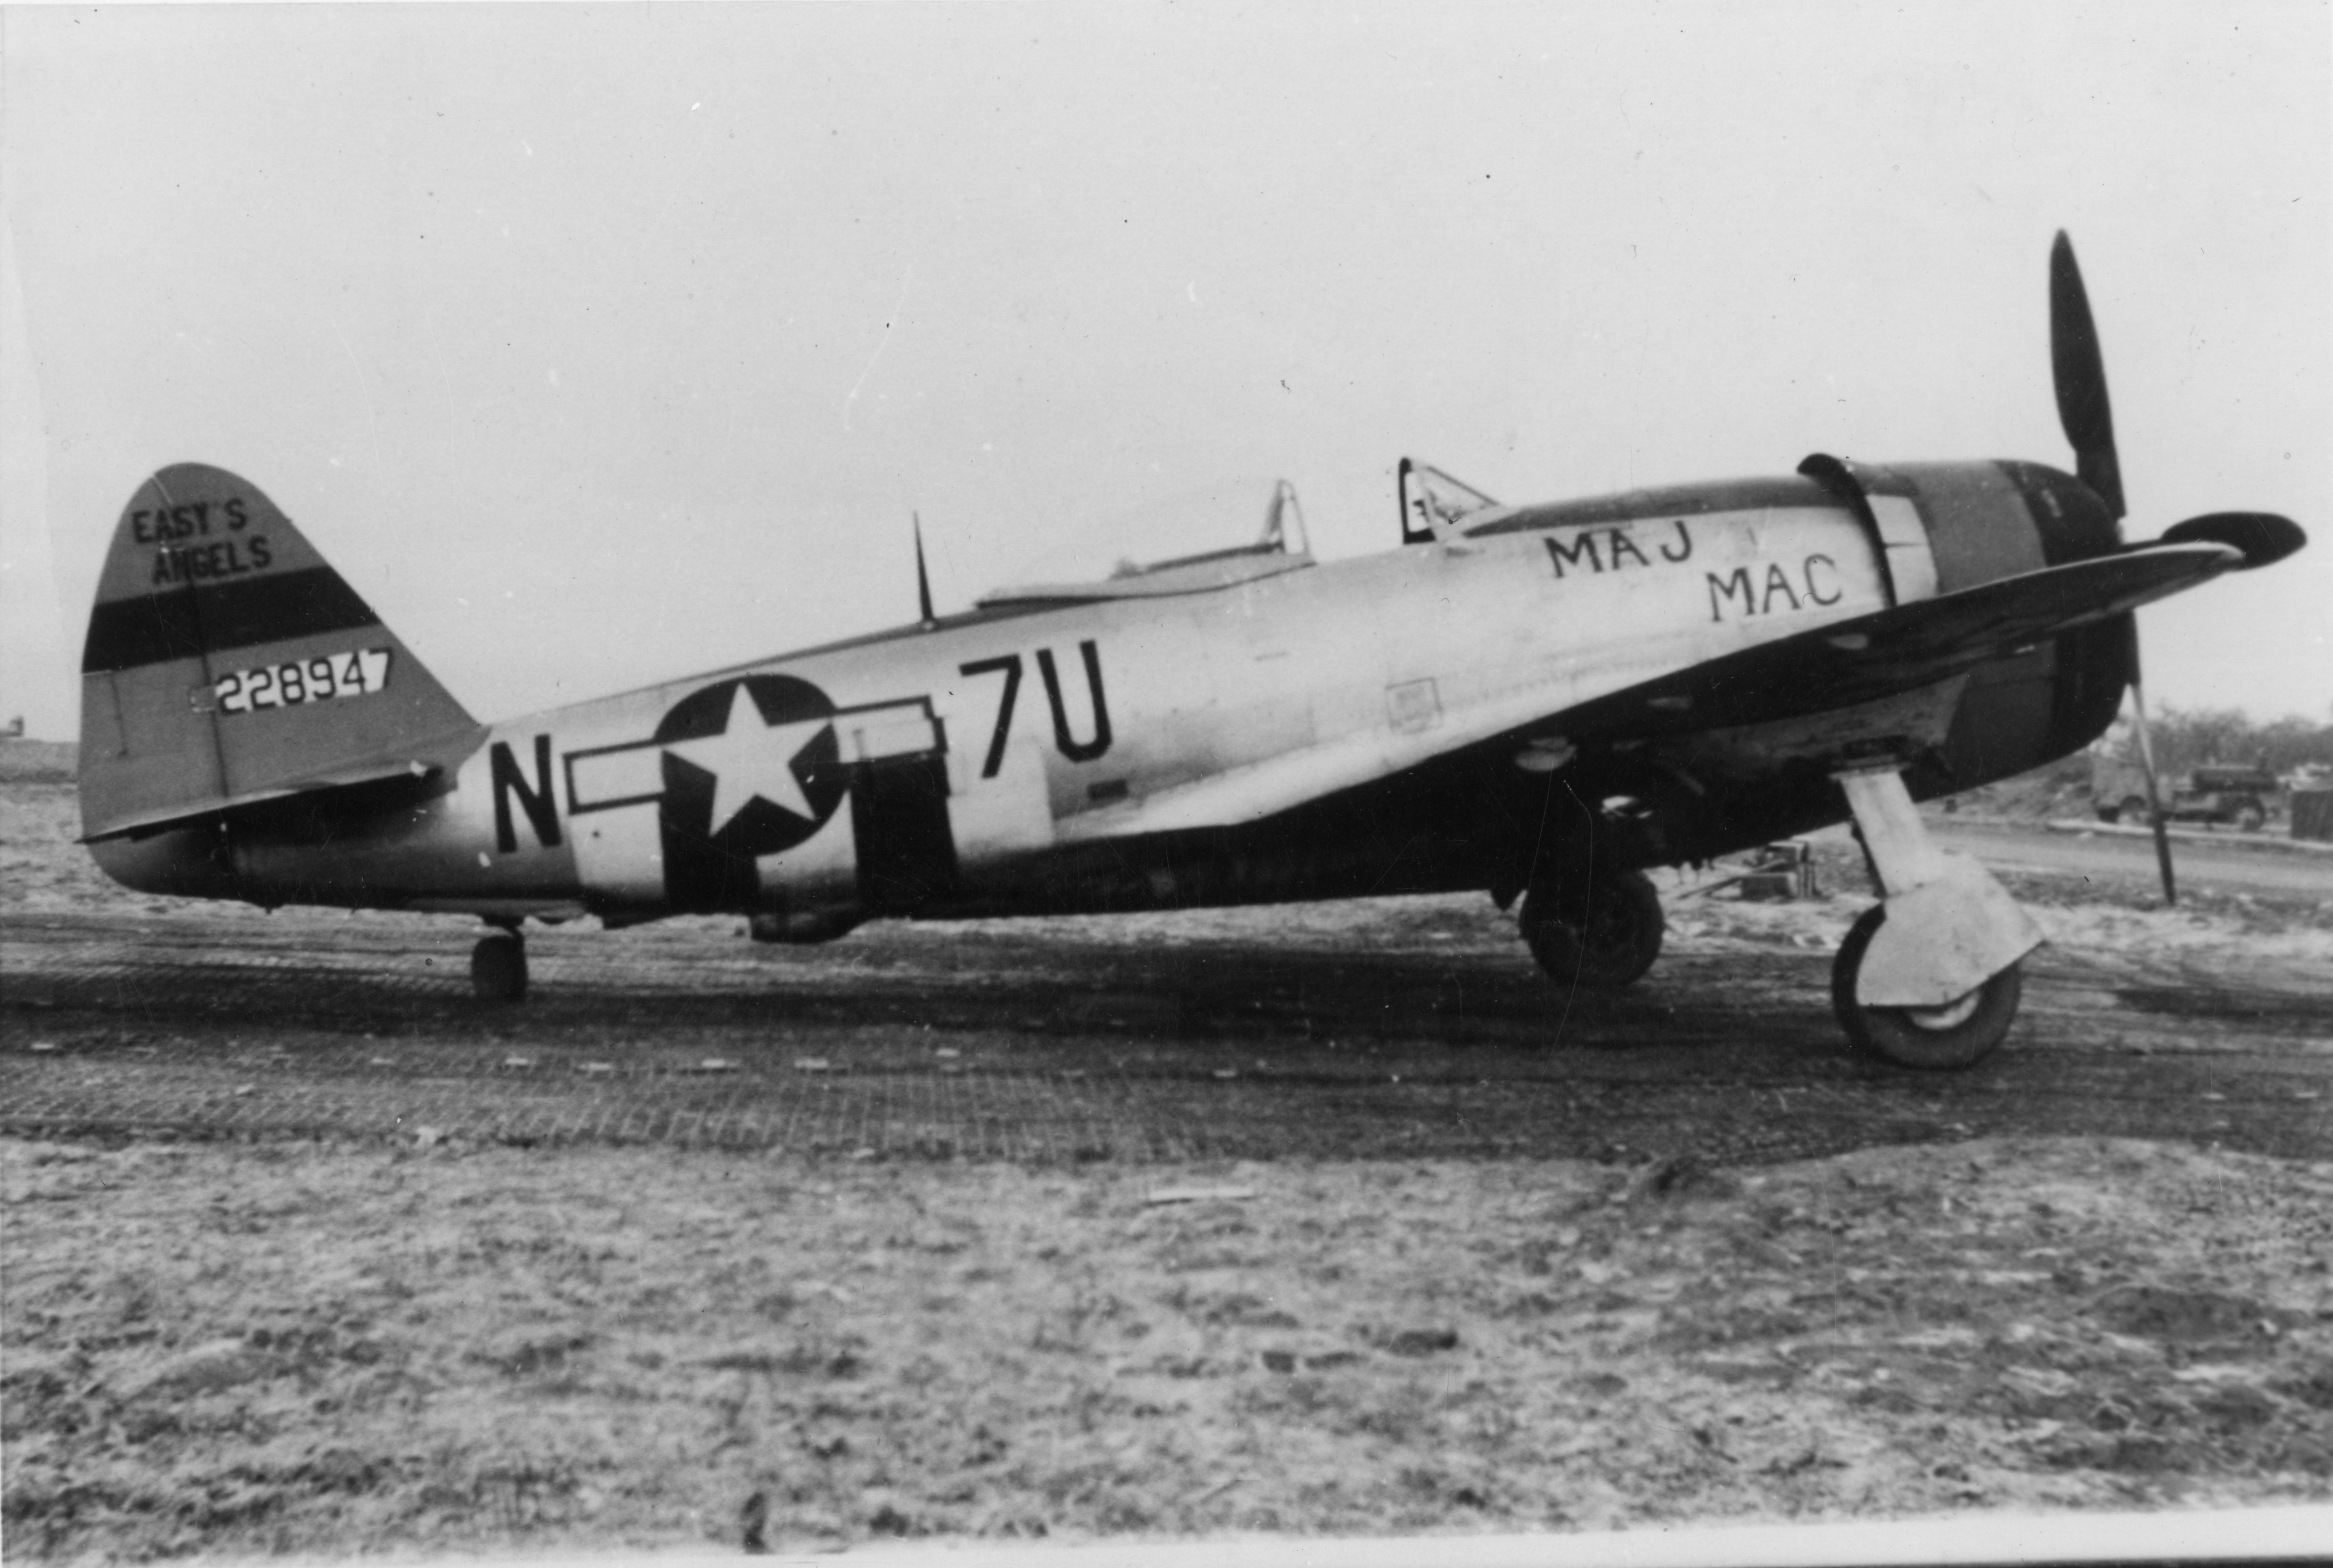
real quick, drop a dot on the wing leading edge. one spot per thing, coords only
(1897, 649)
(1837, 665)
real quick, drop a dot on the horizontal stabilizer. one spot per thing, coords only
(363, 787)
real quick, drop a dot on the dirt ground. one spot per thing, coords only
(325, 1349)
(335, 1350)
(1326, 1219)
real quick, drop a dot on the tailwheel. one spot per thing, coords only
(1614, 946)
(1958, 1034)
(498, 967)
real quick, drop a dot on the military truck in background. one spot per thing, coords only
(2218, 792)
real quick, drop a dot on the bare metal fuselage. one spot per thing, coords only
(1310, 731)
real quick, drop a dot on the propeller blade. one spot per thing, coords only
(2082, 379)
(2147, 766)
(2263, 536)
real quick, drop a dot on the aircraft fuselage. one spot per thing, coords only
(1183, 747)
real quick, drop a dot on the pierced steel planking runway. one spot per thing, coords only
(1397, 1029)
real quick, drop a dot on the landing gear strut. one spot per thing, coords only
(1931, 977)
(498, 967)
(1605, 946)
(1956, 1034)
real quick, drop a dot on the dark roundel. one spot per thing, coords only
(759, 751)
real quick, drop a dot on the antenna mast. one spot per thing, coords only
(923, 579)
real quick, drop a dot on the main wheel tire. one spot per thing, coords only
(498, 969)
(1960, 1034)
(2109, 813)
(1619, 943)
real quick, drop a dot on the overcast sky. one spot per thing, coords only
(597, 345)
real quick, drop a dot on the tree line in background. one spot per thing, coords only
(2187, 738)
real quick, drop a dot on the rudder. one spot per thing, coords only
(225, 660)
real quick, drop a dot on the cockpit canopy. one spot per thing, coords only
(1282, 547)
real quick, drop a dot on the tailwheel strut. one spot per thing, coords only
(498, 967)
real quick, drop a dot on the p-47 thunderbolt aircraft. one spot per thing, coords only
(1535, 700)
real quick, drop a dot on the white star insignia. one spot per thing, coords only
(752, 760)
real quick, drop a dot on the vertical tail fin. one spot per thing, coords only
(225, 660)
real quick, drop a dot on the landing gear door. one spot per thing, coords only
(897, 756)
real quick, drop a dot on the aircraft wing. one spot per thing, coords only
(1898, 649)
(1837, 666)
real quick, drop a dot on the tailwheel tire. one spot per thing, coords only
(498, 969)
(1617, 946)
(1959, 1034)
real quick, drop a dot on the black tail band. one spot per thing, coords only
(183, 623)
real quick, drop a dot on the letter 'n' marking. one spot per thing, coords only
(536, 800)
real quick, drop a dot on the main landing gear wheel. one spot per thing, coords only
(498, 967)
(1959, 1034)
(1619, 943)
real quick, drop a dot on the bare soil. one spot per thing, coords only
(328, 1349)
